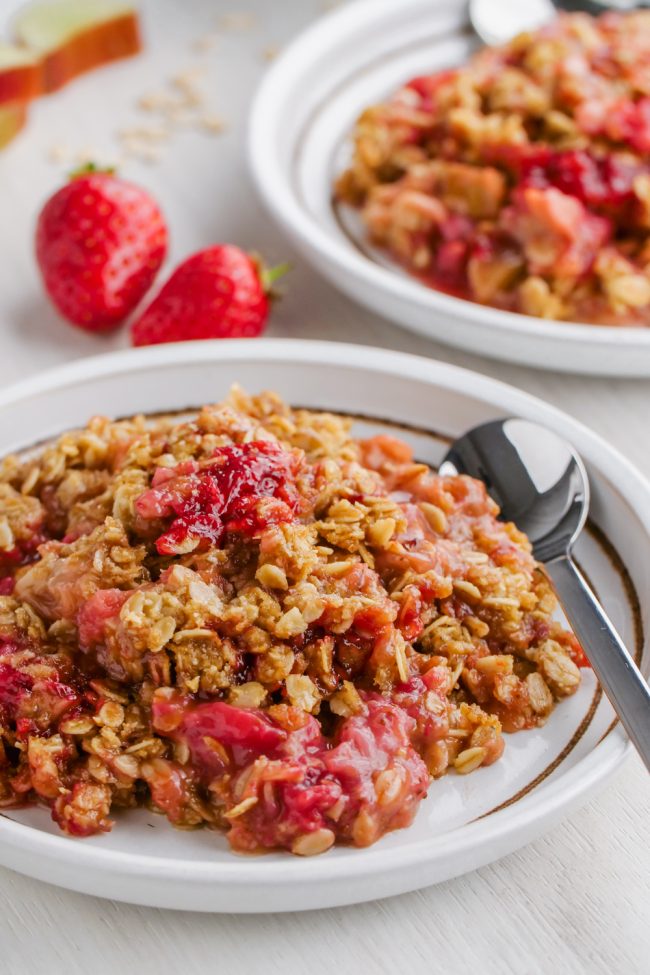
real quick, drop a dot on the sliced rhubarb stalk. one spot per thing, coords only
(73, 36)
(20, 74)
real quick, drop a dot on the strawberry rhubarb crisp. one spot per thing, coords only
(521, 180)
(250, 620)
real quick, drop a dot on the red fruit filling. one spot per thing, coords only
(244, 488)
(13, 687)
(426, 86)
(34, 704)
(597, 181)
(288, 780)
(23, 553)
(102, 606)
(623, 120)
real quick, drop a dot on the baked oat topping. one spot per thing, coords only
(252, 621)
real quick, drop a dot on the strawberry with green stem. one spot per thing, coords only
(219, 292)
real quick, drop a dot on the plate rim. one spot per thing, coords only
(529, 813)
(276, 191)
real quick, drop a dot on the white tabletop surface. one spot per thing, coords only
(575, 900)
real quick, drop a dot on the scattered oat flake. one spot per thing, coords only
(271, 52)
(190, 94)
(144, 133)
(182, 103)
(238, 20)
(154, 101)
(188, 78)
(58, 153)
(205, 43)
(212, 123)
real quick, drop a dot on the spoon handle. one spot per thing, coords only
(619, 676)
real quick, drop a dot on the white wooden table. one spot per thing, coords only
(574, 901)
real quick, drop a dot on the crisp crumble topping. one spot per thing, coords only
(252, 621)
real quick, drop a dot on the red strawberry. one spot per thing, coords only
(220, 292)
(99, 244)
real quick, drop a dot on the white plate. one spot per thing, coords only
(465, 821)
(299, 141)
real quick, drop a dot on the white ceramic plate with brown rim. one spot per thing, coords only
(466, 821)
(299, 140)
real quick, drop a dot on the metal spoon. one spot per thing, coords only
(541, 484)
(497, 21)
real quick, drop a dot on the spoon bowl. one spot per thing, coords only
(535, 476)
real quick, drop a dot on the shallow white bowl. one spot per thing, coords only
(299, 132)
(466, 821)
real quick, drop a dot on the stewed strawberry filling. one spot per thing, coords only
(14, 687)
(102, 607)
(603, 181)
(24, 552)
(244, 488)
(625, 120)
(35, 694)
(284, 783)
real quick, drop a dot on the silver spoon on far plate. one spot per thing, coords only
(541, 484)
(497, 21)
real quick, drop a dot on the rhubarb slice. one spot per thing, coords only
(20, 74)
(73, 36)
